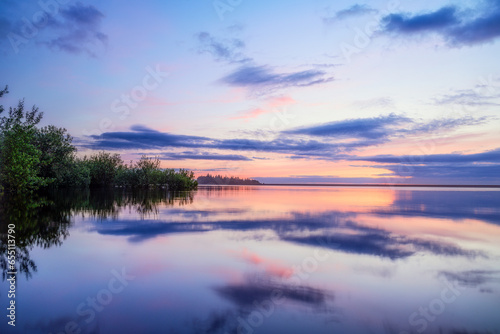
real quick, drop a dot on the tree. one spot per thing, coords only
(57, 154)
(103, 168)
(19, 156)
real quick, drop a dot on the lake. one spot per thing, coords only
(260, 259)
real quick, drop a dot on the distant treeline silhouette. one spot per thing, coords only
(224, 180)
(32, 158)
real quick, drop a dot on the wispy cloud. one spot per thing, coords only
(144, 138)
(492, 156)
(369, 128)
(469, 97)
(458, 27)
(264, 79)
(229, 50)
(354, 10)
(80, 30)
(455, 166)
(384, 127)
(445, 124)
(267, 77)
(271, 105)
(445, 172)
(74, 28)
(203, 156)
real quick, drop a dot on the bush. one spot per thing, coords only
(103, 168)
(57, 154)
(74, 174)
(19, 156)
(147, 173)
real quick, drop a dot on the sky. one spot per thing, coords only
(289, 91)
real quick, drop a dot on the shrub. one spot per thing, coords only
(103, 168)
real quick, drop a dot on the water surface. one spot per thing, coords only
(256, 260)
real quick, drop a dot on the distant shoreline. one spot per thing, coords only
(362, 185)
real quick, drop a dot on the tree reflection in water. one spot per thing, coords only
(43, 219)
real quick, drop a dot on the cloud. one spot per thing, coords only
(204, 156)
(266, 77)
(483, 28)
(271, 105)
(144, 138)
(468, 97)
(368, 128)
(330, 141)
(492, 156)
(382, 128)
(481, 174)
(83, 15)
(80, 30)
(251, 75)
(222, 169)
(455, 168)
(445, 124)
(354, 10)
(406, 24)
(74, 28)
(229, 50)
(467, 27)
(279, 145)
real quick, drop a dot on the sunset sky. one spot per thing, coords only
(281, 91)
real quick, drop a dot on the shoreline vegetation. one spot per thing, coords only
(33, 158)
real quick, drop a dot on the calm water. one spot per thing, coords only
(256, 260)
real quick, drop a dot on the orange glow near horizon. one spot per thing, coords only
(305, 199)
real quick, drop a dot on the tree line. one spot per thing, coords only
(33, 157)
(224, 180)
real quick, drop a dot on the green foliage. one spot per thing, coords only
(19, 155)
(103, 168)
(74, 173)
(147, 173)
(57, 153)
(2, 92)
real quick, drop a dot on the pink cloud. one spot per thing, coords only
(270, 106)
